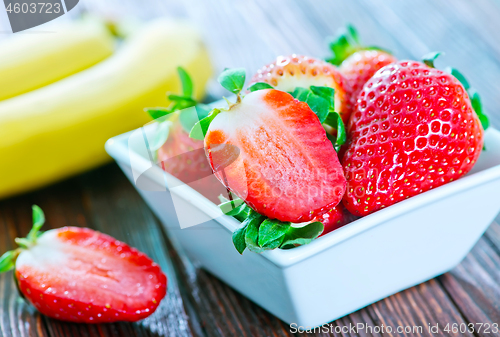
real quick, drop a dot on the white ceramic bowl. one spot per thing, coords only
(341, 272)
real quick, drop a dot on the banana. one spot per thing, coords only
(60, 130)
(31, 61)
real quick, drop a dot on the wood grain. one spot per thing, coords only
(250, 34)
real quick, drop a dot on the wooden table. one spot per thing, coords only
(251, 33)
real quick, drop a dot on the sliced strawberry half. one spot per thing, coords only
(295, 71)
(282, 163)
(80, 275)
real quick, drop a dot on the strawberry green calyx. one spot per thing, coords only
(178, 102)
(187, 117)
(345, 43)
(232, 80)
(200, 129)
(259, 86)
(430, 58)
(8, 260)
(259, 233)
(473, 95)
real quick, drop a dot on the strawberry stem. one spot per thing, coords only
(8, 260)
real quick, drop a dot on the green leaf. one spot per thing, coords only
(335, 121)
(429, 59)
(303, 235)
(274, 244)
(239, 239)
(325, 92)
(478, 108)
(156, 113)
(233, 80)
(38, 221)
(161, 135)
(189, 117)
(272, 230)
(187, 83)
(459, 76)
(200, 129)
(318, 104)
(181, 102)
(38, 217)
(353, 33)
(301, 93)
(259, 86)
(252, 232)
(8, 261)
(344, 44)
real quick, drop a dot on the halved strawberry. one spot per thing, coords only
(80, 275)
(283, 164)
(295, 71)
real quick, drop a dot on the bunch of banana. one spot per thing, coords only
(60, 130)
(31, 61)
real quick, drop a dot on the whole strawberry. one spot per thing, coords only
(357, 63)
(414, 129)
(360, 67)
(80, 275)
(289, 72)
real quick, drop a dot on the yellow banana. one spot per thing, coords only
(30, 61)
(60, 130)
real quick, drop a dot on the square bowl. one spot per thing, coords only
(341, 272)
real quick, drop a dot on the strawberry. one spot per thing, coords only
(184, 158)
(272, 151)
(414, 129)
(177, 153)
(360, 67)
(335, 218)
(356, 63)
(290, 72)
(80, 275)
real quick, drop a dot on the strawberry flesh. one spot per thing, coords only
(80, 275)
(285, 167)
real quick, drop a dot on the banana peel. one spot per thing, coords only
(31, 61)
(60, 130)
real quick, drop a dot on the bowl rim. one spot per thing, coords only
(117, 148)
